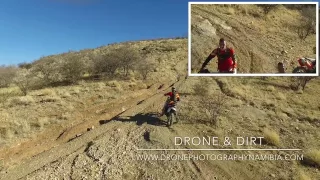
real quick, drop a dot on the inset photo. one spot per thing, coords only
(253, 39)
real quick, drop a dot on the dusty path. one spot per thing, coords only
(61, 133)
(110, 151)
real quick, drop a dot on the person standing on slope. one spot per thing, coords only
(227, 62)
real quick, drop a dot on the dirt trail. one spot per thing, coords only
(52, 138)
(110, 151)
(58, 134)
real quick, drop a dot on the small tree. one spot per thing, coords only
(214, 106)
(307, 23)
(127, 58)
(25, 80)
(267, 7)
(7, 74)
(48, 70)
(106, 64)
(145, 67)
(72, 68)
(25, 65)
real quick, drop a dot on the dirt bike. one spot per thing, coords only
(307, 65)
(171, 114)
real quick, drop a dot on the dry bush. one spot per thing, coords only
(300, 82)
(211, 103)
(72, 68)
(48, 69)
(25, 65)
(123, 57)
(6, 133)
(267, 7)
(270, 88)
(201, 88)
(106, 64)
(256, 65)
(280, 96)
(307, 22)
(196, 57)
(7, 74)
(46, 92)
(7, 94)
(114, 84)
(214, 106)
(24, 100)
(312, 158)
(26, 80)
(302, 176)
(144, 68)
(127, 57)
(271, 137)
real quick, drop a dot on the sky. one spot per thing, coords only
(30, 29)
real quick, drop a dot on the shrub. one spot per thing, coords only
(25, 80)
(214, 106)
(7, 74)
(127, 58)
(48, 69)
(106, 64)
(145, 67)
(72, 68)
(312, 158)
(267, 7)
(307, 22)
(24, 100)
(271, 137)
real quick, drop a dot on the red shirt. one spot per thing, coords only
(225, 62)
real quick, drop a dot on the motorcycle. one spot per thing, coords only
(171, 114)
(307, 65)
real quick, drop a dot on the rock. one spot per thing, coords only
(273, 175)
(206, 28)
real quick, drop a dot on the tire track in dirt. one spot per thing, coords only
(61, 133)
(22, 172)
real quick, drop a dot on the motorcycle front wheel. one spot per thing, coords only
(170, 118)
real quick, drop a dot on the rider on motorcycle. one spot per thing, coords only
(171, 100)
(227, 62)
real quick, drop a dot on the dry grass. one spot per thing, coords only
(312, 158)
(114, 84)
(280, 96)
(302, 176)
(22, 100)
(271, 137)
(270, 88)
(50, 99)
(46, 92)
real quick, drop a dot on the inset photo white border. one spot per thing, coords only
(253, 74)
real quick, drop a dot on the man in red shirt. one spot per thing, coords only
(171, 101)
(226, 58)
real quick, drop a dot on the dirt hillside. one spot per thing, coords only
(260, 39)
(124, 116)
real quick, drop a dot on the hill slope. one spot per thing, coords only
(124, 120)
(258, 38)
